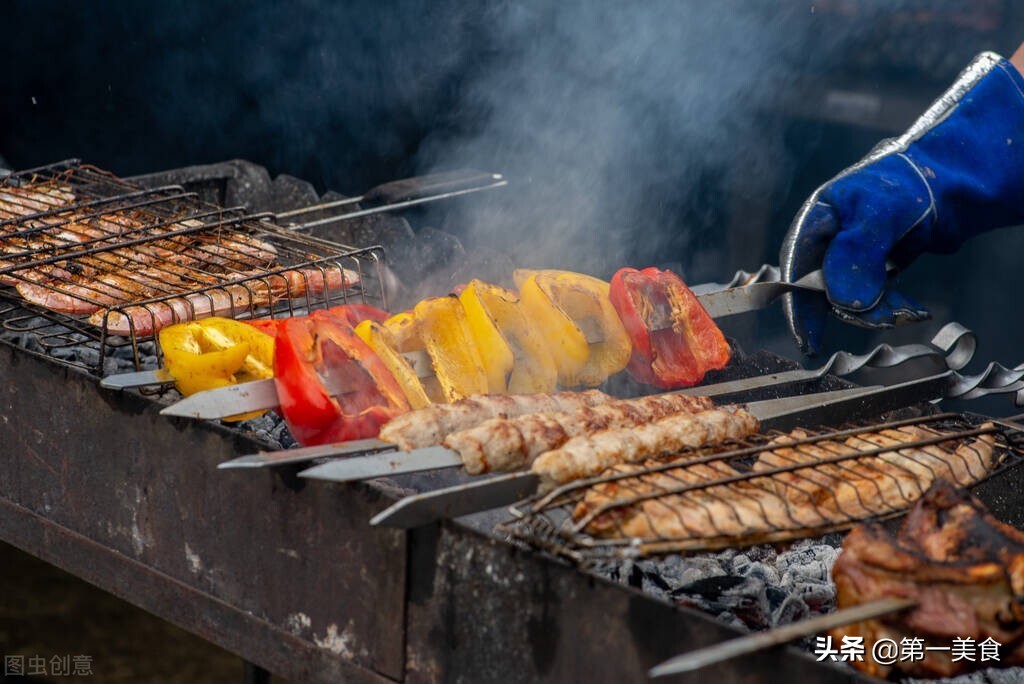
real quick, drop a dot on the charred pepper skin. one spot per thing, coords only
(499, 323)
(325, 344)
(384, 345)
(675, 341)
(442, 327)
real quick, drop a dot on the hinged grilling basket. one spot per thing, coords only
(92, 267)
(770, 488)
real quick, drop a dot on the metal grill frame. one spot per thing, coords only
(240, 283)
(546, 521)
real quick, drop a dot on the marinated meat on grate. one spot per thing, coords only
(827, 495)
(430, 425)
(502, 444)
(964, 568)
(874, 485)
(15, 203)
(25, 201)
(224, 299)
(161, 266)
(588, 455)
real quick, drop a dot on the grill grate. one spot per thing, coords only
(91, 261)
(771, 488)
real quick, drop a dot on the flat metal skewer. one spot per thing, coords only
(734, 648)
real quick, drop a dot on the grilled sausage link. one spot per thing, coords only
(430, 425)
(513, 443)
(590, 454)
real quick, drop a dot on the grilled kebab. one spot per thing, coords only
(503, 444)
(430, 425)
(589, 454)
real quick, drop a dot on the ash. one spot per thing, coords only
(752, 589)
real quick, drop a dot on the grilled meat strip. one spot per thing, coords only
(588, 455)
(964, 568)
(224, 299)
(606, 513)
(429, 426)
(813, 496)
(874, 485)
(502, 444)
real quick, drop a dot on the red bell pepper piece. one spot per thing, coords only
(675, 341)
(267, 325)
(323, 344)
(354, 314)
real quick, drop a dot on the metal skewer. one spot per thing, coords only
(401, 194)
(734, 648)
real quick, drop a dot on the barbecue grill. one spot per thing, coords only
(287, 573)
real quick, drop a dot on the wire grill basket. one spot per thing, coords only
(770, 488)
(92, 267)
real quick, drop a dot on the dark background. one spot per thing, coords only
(682, 134)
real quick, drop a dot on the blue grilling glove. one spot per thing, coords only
(958, 172)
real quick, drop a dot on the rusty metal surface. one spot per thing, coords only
(99, 484)
(480, 610)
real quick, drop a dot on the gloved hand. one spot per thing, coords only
(957, 172)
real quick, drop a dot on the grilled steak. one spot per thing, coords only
(963, 567)
(430, 425)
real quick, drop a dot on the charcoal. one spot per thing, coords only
(761, 571)
(428, 254)
(695, 569)
(749, 601)
(288, 192)
(388, 230)
(791, 609)
(488, 265)
(232, 183)
(733, 621)
(820, 597)
(759, 586)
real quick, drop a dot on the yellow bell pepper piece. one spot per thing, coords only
(442, 326)
(585, 301)
(383, 344)
(495, 351)
(220, 333)
(499, 323)
(565, 342)
(216, 352)
(402, 327)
